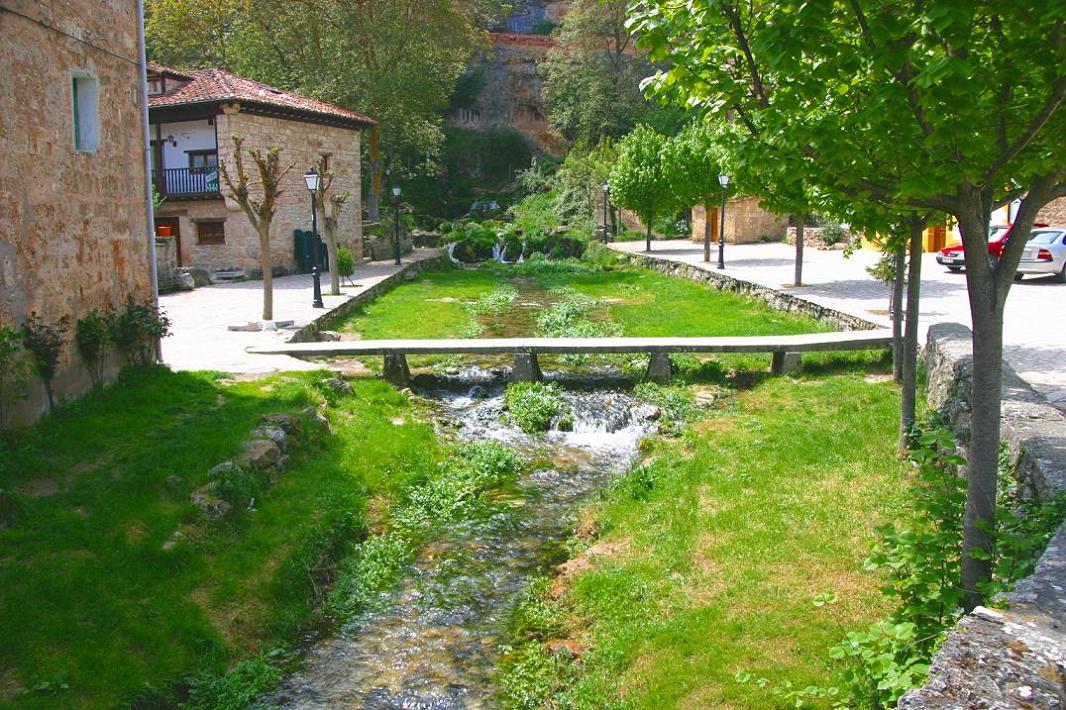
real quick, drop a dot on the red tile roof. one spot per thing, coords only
(219, 86)
(511, 38)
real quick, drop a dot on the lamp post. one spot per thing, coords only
(723, 180)
(606, 203)
(312, 179)
(396, 231)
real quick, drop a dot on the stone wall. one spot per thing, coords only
(745, 222)
(1053, 213)
(777, 299)
(301, 146)
(73, 223)
(1012, 658)
(812, 237)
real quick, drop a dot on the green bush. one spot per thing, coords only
(135, 331)
(14, 371)
(473, 242)
(535, 406)
(92, 336)
(834, 233)
(44, 342)
(345, 262)
(557, 246)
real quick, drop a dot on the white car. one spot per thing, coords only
(1045, 253)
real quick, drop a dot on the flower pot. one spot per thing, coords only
(164, 231)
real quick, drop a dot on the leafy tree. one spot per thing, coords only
(259, 207)
(638, 179)
(691, 166)
(592, 78)
(44, 342)
(937, 105)
(395, 60)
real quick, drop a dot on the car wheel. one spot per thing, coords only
(954, 269)
(1062, 274)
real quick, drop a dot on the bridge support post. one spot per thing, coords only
(396, 370)
(783, 362)
(526, 368)
(659, 369)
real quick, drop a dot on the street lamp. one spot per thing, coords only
(396, 232)
(723, 180)
(606, 203)
(313, 180)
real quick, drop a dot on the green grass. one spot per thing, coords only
(716, 549)
(91, 600)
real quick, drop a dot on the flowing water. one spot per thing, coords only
(436, 644)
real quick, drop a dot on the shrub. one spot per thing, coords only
(834, 233)
(44, 342)
(473, 242)
(564, 245)
(535, 406)
(14, 370)
(135, 330)
(345, 262)
(92, 336)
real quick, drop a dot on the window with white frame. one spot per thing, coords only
(85, 105)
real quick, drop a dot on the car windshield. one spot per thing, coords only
(1044, 237)
(996, 233)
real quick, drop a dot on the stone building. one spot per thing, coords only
(194, 117)
(74, 217)
(1053, 213)
(745, 221)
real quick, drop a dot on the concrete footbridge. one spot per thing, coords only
(785, 349)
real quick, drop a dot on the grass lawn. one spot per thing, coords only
(707, 558)
(96, 612)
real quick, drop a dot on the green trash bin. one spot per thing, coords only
(302, 252)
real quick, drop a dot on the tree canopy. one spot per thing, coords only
(638, 179)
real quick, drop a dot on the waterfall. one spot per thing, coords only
(450, 247)
(498, 252)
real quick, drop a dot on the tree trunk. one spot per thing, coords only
(915, 226)
(331, 254)
(799, 250)
(708, 232)
(896, 307)
(647, 241)
(268, 275)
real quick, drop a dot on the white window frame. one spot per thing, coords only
(84, 110)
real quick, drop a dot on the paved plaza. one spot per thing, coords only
(1034, 332)
(201, 340)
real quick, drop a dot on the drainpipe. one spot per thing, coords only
(147, 140)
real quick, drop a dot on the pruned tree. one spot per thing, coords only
(259, 199)
(330, 205)
(638, 180)
(691, 166)
(924, 106)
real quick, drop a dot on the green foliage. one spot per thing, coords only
(92, 336)
(639, 180)
(570, 317)
(536, 214)
(473, 242)
(496, 301)
(237, 689)
(136, 329)
(691, 165)
(676, 401)
(14, 371)
(44, 343)
(556, 245)
(536, 406)
(834, 233)
(345, 262)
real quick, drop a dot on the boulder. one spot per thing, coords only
(317, 418)
(328, 336)
(275, 434)
(184, 281)
(337, 385)
(210, 503)
(222, 470)
(200, 276)
(286, 422)
(260, 455)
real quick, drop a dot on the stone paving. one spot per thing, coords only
(201, 340)
(1034, 332)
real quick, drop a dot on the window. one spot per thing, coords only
(201, 161)
(85, 106)
(156, 86)
(213, 232)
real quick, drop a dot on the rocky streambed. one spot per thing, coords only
(436, 641)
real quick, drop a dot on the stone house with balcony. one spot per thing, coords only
(74, 214)
(194, 116)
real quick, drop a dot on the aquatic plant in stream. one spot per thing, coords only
(499, 300)
(535, 406)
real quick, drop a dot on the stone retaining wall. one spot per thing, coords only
(777, 299)
(1013, 658)
(310, 332)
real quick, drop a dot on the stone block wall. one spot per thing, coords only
(1013, 658)
(301, 146)
(745, 222)
(73, 223)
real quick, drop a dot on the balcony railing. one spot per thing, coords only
(186, 182)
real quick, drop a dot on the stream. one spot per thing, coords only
(437, 642)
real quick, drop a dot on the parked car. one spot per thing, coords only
(952, 256)
(1045, 253)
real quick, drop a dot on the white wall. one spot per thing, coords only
(188, 135)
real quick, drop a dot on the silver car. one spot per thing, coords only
(1045, 253)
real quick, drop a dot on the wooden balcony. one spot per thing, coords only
(187, 183)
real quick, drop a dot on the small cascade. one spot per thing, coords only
(450, 248)
(499, 252)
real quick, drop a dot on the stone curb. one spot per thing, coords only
(723, 282)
